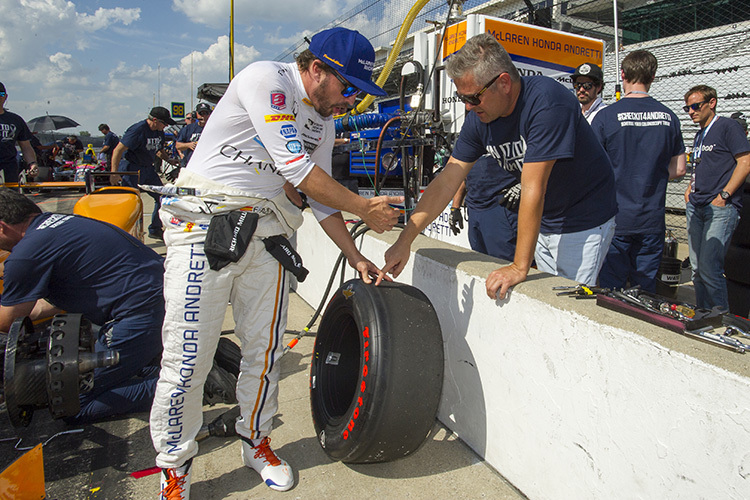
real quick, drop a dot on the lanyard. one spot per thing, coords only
(698, 146)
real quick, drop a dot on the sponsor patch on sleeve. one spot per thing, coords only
(288, 131)
(294, 147)
(279, 118)
(278, 100)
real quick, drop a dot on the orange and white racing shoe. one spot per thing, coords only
(275, 472)
(175, 482)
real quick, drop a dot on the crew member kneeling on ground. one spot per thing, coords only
(75, 264)
(274, 124)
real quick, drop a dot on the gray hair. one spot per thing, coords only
(484, 58)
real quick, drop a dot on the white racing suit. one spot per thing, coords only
(263, 132)
(196, 298)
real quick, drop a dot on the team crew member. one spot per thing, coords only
(142, 143)
(110, 143)
(188, 137)
(491, 195)
(644, 142)
(274, 124)
(714, 197)
(13, 129)
(588, 83)
(79, 265)
(533, 126)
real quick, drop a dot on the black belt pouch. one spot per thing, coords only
(282, 250)
(228, 237)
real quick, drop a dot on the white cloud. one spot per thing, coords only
(286, 41)
(246, 12)
(55, 23)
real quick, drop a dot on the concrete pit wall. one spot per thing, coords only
(565, 399)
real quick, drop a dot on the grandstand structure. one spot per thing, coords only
(695, 42)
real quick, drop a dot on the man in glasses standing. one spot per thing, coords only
(140, 145)
(533, 126)
(272, 130)
(588, 83)
(721, 162)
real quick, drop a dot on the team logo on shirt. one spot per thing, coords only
(294, 147)
(153, 143)
(310, 147)
(288, 131)
(278, 100)
(8, 132)
(510, 154)
(279, 118)
(54, 220)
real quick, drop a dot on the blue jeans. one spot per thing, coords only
(492, 231)
(128, 386)
(634, 259)
(577, 256)
(710, 229)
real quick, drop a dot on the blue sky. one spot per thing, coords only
(111, 61)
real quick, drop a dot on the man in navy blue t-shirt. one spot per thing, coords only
(188, 137)
(136, 152)
(110, 143)
(491, 195)
(13, 129)
(714, 198)
(533, 126)
(644, 142)
(79, 265)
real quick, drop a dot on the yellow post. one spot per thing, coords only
(231, 40)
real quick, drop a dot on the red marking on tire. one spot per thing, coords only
(362, 386)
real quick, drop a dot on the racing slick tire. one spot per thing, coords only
(377, 372)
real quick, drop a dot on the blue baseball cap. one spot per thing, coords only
(349, 53)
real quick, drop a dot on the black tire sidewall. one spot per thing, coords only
(399, 377)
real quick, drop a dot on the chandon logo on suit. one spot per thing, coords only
(509, 155)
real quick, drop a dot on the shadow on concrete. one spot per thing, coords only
(440, 453)
(462, 402)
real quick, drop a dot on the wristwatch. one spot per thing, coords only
(725, 195)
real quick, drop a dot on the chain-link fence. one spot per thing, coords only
(695, 41)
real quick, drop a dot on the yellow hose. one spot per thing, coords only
(402, 33)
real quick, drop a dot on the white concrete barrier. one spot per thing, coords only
(568, 400)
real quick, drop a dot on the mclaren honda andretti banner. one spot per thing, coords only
(534, 51)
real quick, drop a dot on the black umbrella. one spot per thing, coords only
(50, 122)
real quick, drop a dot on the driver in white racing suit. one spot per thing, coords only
(273, 127)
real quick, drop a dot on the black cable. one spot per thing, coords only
(355, 233)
